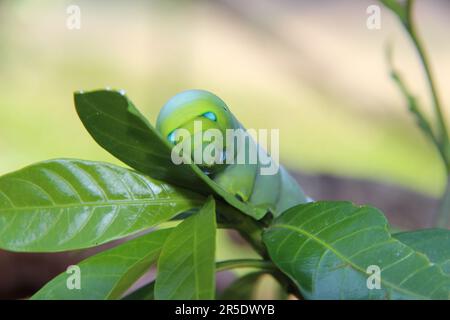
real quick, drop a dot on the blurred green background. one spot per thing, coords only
(310, 68)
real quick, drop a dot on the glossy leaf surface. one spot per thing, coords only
(329, 248)
(108, 274)
(434, 243)
(60, 205)
(186, 267)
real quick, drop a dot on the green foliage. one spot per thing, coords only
(320, 250)
(434, 243)
(327, 247)
(60, 205)
(109, 274)
(115, 123)
(186, 266)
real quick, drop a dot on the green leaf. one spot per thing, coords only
(243, 288)
(117, 125)
(186, 266)
(327, 247)
(434, 243)
(146, 292)
(60, 205)
(110, 273)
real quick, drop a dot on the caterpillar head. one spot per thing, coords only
(196, 111)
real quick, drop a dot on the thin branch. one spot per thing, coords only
(415, 109)
(441, 137)
(441, 124)
(245, 263)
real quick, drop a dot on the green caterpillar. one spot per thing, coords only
(276, 192)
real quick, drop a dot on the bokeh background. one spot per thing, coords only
(310, 68)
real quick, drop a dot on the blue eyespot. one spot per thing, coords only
(171, 137)
(210, 115)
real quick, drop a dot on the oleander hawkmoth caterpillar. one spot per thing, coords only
(119, 127)
(197, 111)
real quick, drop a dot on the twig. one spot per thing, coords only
(440, 138)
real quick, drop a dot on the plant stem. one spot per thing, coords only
(262, 265)
(442, 127)
(245, 263)
(443, 213)
(250, 229)
(442, 219)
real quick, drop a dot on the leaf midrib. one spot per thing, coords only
(104, 204)
(195, 257)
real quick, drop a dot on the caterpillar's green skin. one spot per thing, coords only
(272, 192)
